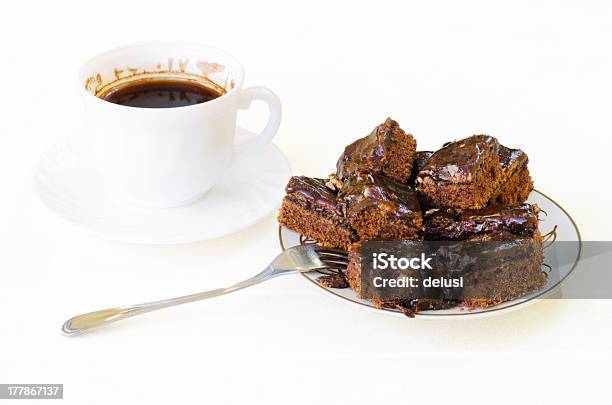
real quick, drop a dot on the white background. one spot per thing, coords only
(536, 74)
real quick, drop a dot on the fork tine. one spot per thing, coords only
(333, 259)
(331, 252)
(339, 266)
(332, 255)
(329, 249)
(335, 262)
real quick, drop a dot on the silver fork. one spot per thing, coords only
(298, 259)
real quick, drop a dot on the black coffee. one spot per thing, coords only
(161, 93)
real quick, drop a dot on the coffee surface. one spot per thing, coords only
(161, 93)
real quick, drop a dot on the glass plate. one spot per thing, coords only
(555, 224)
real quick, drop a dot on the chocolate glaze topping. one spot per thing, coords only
(458, 224)
(511, 159)
(459, 161)
(411, 306)
(372, 190)
(314, 191)
(336, 280)
(420, 159)
(367, 154)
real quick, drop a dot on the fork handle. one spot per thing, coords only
(85, 322)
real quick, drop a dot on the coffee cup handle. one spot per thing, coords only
(275, 112)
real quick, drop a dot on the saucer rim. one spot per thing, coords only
(73, 220)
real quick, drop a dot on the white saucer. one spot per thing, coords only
(68, 183)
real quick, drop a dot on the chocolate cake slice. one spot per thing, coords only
(500, 271)
(516, 184)
(311, 208)
(380, 208)
(505, 267)
(387, 150)
(460, 224)
(409, 304)
(493, 267)
(463, 174)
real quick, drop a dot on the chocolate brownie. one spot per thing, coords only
(409, 305)
(387, 150)
(463, 174)
(516, 184)
(310, 208)
(494, 267)
(463, 224)
(502, 271)
(380, 208)
(505, 271)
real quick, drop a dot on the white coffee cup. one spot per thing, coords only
(168, 157)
